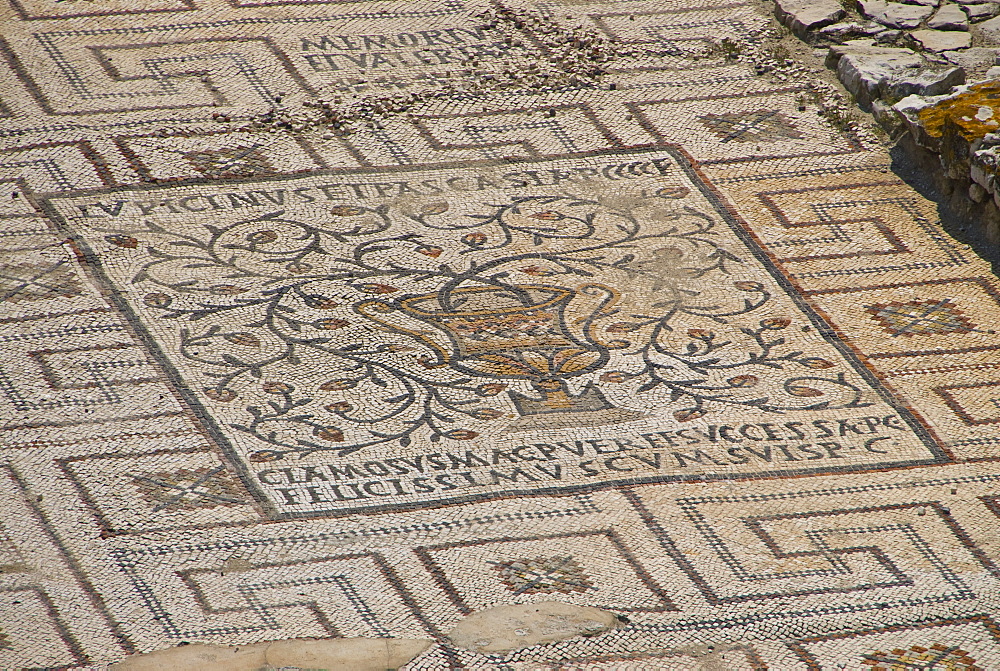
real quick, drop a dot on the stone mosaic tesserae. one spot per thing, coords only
(519, 335)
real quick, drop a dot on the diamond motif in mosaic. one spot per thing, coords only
(544, 575)
(930, 317)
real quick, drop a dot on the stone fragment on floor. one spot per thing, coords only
(337, 654)
(846, 30)
(506, 628)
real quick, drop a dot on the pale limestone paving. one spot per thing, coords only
(513, 627)
(463, 335)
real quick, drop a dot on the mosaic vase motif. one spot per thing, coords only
(516, 333)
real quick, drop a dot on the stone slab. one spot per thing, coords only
(345, 654)
(981, 12)
(990, 31)
(894, 14)
(941, 40)
(506, 628)
(949, 17)
(803, 16)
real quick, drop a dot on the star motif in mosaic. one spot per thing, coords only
(544, 575)
(937, 658)
(189, 489)
(757, 126)
(234, 162)
(930, 317)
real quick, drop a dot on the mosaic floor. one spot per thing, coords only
(556, 302)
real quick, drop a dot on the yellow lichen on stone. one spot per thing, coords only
(971, 114)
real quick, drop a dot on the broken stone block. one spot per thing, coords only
(871, 73)
(506, 628)
(956, 124)
(801, 16)
(894, 14)
(941, 40)
(335, 654)
(865, 71)
(949, 17)
(929, 3)
(926, 82)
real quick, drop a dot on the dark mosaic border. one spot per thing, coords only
(856, 359)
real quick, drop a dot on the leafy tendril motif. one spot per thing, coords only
(424, 318)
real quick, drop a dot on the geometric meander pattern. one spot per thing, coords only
(658, 340)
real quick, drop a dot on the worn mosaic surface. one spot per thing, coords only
(649, 335)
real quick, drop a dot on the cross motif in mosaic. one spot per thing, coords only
(930, 317)
(758, 126)
(543, 575)
(189, 488)
(37, 281)
(10, 559)
(234, 162)
(937, 658)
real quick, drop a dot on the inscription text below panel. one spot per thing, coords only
(364, 340)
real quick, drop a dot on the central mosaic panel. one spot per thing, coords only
(358, 340)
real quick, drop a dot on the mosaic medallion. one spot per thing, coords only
(411, 337)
